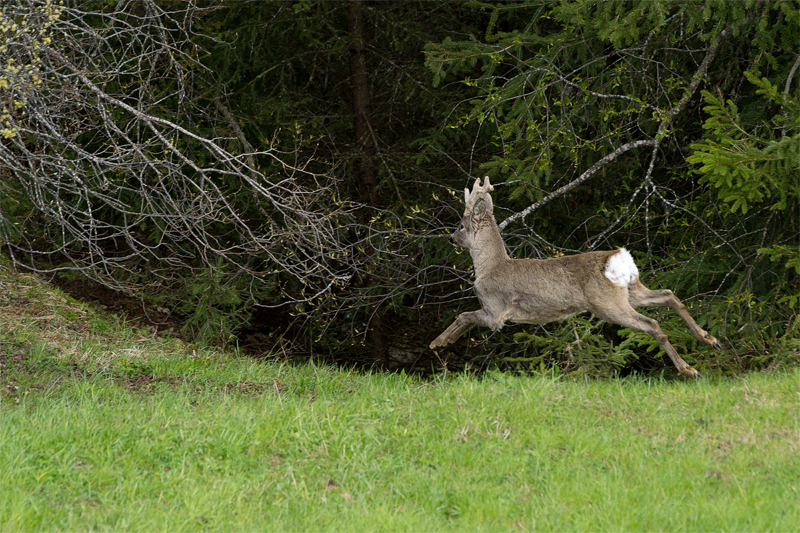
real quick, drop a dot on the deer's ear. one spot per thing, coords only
(479, 210)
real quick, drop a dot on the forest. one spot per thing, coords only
(283, 176)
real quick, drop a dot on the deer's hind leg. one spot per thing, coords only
(641, 296)
(622, 313)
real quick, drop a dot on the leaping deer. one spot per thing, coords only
(535, 291)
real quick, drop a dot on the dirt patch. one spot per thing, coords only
(157, 320)
(254, 389)
(145, 383)
(12, 353)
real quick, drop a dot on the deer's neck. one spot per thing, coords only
(489, 249)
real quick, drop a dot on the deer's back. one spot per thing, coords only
(547, 289)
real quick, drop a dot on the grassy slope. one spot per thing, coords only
(104, 427)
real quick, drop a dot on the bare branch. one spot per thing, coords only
(576, 182)
(790, 77)
(128, 191)
(663, 128)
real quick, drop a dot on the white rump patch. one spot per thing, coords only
(621, 269)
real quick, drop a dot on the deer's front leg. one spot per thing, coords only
(460, 325)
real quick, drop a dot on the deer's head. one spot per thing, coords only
(477, 214)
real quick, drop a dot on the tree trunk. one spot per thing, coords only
(363, 163)
(366, 179)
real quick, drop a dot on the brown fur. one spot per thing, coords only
(537, 291)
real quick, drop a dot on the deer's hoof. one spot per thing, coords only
(713, 342)
(690, 372)
(438, 342)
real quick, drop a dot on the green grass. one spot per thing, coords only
(107, 428)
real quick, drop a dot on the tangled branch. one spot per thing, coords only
(136, 187)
